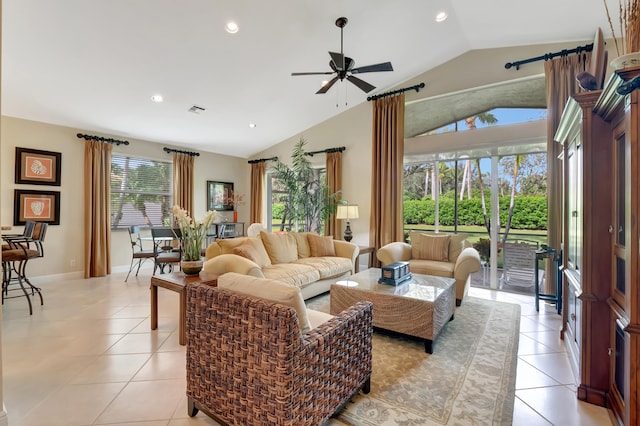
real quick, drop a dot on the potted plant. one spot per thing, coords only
(193, 234)
(308, 202)
(629, 23)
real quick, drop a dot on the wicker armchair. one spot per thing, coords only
(249, 364)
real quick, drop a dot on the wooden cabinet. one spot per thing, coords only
(622, 112)
(586, 250)
(601, 168)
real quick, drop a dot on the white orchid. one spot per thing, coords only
(193, 232)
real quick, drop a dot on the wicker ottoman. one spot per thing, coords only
(419, 307)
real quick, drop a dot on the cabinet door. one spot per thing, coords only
(574, 206)
(618, 228)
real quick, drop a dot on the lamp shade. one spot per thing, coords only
(347, 211)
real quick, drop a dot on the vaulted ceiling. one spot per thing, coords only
(94, 65)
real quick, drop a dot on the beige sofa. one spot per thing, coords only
(308, 261)
(440, 254)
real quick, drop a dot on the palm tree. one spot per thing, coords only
(516, 168)
(487, 221)
(486, 118)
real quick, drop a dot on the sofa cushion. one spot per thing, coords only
(456, 245)
(269, 289)
(328, 267)
(321, 246)
(430, 246)
(292, 273)
(432, 267)
(303, 243)
(254, 250)
(281, 248)
(317, 318)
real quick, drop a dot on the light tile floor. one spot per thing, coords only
(88, 357)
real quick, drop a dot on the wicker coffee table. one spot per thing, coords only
(419, 307)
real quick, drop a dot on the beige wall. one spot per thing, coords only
(351, 128)
(65, 242)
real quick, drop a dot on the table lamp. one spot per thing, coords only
(347, 212)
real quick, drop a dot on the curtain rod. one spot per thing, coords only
(262, 160)
(191, 153)
(101, 139)
(565, 52)
(327, 151)
(417, 88)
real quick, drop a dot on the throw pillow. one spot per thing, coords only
(303, 243)
(273, 290)
(456, 245)
(228, 244)
(321, 246)
(254, 250)
(281, 248)
(430, 246)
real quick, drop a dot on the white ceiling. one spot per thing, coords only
(94, 64)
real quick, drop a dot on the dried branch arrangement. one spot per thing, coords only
(629, 22)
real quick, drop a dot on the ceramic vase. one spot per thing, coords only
(626, 61)
(191, 267)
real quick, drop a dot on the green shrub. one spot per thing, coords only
(528, 212)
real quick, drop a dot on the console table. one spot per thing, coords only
(177, 281)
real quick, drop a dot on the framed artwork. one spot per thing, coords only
(219, 195)
(38, 167)
(38, 206)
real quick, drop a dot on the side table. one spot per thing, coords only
(364, 250)
(177, 281)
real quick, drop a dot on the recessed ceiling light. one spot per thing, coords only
(156, 98)
(252, 125)
(441, 16)
(231, 27)
(324, 82)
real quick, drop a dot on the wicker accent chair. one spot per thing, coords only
(248, 363)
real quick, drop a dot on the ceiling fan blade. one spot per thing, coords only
(312, 73)
(361, 84)
(338, 60)
(327, 86)
(384, 66)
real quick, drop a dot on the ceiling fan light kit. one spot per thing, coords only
(343, 67)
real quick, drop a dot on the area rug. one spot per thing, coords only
(468, 380)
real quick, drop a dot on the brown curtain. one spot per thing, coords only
(257, 191)
(183, 181)
(334, 182)
(560, 74)
(97, 209)
(386, 222)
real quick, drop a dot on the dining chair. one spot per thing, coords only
(26, 233)
(167, 249)
(138, 253)
(14, 264)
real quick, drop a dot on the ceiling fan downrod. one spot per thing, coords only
(340, 23)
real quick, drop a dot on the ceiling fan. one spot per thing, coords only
(342, 66)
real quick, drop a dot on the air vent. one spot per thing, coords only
(196, 109)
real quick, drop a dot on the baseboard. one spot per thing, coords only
(4, 418)
(44, 279)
